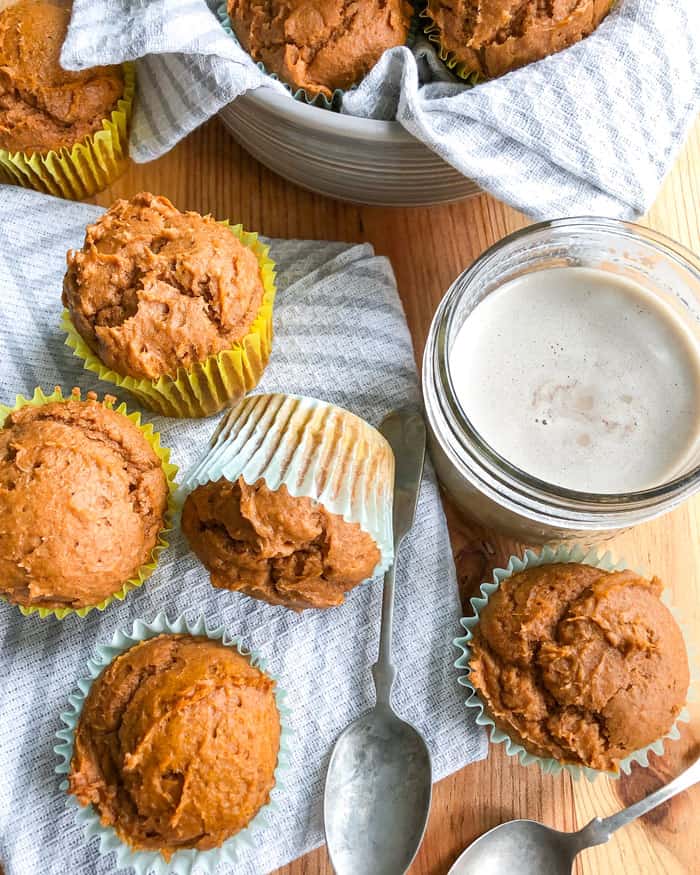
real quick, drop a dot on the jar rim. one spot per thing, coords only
(500, 468)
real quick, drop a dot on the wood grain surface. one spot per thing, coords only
(209, 172)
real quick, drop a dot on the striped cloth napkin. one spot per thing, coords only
(592, 130)
(331, 297)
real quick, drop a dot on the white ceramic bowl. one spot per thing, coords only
(353, 159)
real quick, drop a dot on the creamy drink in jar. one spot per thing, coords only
(582, 379)
(562, 381)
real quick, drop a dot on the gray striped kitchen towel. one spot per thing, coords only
(340, 335)
(591, 130)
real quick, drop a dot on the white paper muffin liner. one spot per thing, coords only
(550, 556)
(182, 862)
(316, 450)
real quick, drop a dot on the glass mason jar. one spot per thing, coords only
(483, 484)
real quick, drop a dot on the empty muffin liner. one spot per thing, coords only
(550, 556)
(185, 861)
(315, 449)
(221, 379)
(318, 100)
(170, 470)
(86, 168)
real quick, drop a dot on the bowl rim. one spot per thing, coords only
(324, 120)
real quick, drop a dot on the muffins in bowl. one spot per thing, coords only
(483, 39)
(319, 48)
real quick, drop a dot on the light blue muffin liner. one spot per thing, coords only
(319, 100)
(550, 556)
(182, 862)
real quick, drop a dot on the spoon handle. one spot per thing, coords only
(405, 431)
(384, 671)
(685, 780)
(599, 830)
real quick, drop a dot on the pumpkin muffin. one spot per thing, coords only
(177, 744)
(276, 547)
(579, 664)
(42, 106)
(83, 498)
(492, 37)
(319, 45)
(154, 290)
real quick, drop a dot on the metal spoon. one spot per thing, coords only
(379, 780)
(529, 848)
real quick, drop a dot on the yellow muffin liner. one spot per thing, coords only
(550, 766)
(432, 31)
(86, 168)
(170, 470)
(209, 386)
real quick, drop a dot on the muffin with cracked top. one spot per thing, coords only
(319, 46)
(492, 37)
(177, 744)
(83, 499)
(43, 106)
(579, 664)
(63, 132)
(176, 307)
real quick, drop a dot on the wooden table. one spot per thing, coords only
(428, 248)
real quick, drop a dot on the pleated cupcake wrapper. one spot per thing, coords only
(318, 100)
(86, 168)
(550, 556)
(315, 449)
(432, 31)
(209, 386)
(38, 399)
(182, 862)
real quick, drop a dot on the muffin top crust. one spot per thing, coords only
(177, 744)
(42, 106)
(492, 37)
(82, 500)
(319, 45)
(580, 664)
(276, 547)
(154, 289)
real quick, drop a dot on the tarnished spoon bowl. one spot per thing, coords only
(526, 847)
(377, 795)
